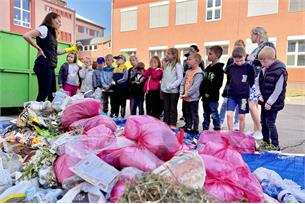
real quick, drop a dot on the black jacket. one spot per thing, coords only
(212, 82)
(137, 89)
(49, 47)
(267, 82)
(240, 79)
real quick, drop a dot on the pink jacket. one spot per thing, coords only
(153, 77)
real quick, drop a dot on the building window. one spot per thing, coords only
(213, 10)
(48, 9)
(22, 14)
(159, 14)
(128, 52)
(109, 44)
(129, 19)
(86, 30)
(250, 47)
(225, 54)
(96, 33)
(296, 5)
(186, 11)
(259, 7)
(86, 48)
(157, 51)
(296, 53)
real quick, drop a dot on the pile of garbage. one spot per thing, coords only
(66, 151)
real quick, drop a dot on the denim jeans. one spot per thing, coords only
(269, 130)
(210, 109)
(223, 110)
(191, 114)
(137, 102)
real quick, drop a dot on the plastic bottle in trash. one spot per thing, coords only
(286, 197)
(270, 189)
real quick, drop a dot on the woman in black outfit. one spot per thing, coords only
(46, 61)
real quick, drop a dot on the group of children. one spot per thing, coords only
(164, 82)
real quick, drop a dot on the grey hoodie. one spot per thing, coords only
(172, 78)
(194, 91)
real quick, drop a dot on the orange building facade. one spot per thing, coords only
(149, 27)
(21, 16)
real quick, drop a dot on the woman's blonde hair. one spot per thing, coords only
(261, 32)
(175, 52)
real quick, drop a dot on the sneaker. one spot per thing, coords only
(236, 127)
(257, 135)
(275, 148)
(250, 132)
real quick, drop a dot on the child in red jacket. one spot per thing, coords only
(152, 87)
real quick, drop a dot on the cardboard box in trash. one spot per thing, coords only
(97, 172)
(186, 168)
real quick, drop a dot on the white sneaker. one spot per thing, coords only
(236, 127)
(258, 135)
(249, 132)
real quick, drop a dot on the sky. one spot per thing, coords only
(98, 11)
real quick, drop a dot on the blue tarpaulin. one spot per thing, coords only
(287, 166)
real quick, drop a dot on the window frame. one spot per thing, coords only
(181, 48)
(87, 29)
(290, 7)
(132, 51)
(296, 53)
(186, 23)
(213, 9)
(213, 43)
(96, 33)
(123, 10)
(265, 14)
(21, 10)
(158, 4)
(157, 49)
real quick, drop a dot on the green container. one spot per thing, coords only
(18, 82)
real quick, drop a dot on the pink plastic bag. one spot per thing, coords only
(74, 150)
(89, 123)
(140, 158)
(80, 109)
(83, 145)
(127, 175)
(228, 176)
(153, 134)
(112, 153)
(62, 165)
(237, 140)
(160, 140)
(134, 123)
(99, 131)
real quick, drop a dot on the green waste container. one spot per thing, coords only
(18, 82)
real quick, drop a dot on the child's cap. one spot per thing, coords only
(140, 66)
(120, 57)
(100, 60)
